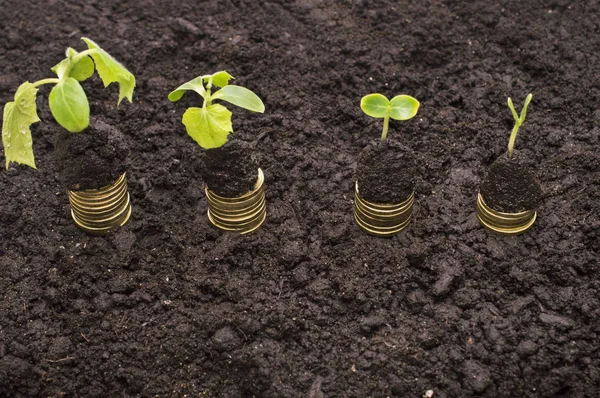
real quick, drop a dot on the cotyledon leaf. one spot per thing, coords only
(18, 117)
(69, 105)
(241, 97)
(82, 70)
(110, 70)
(375, 105)
(403, 107)
(208, 126)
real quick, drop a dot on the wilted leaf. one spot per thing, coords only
(16, 134)
(110, 70)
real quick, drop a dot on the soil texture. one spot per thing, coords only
(230, 170)
(386, 172)
(91, 159)
(309, 305)
(510, 186)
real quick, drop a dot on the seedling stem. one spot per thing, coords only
(518, 122)
(386, 124)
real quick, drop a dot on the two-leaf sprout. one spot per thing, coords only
(518, 122)
(210, 125)
(68, 102)
(401, 107)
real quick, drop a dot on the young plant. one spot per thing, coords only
(210, 125)
(518, 122)
(401, 107)
(68, 102)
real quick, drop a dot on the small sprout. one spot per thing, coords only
(401, 107)
(210, 125)
(68, 102)
(518, 122)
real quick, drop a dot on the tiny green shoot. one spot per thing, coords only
(401, 107)
(518, 122)
(67, 100)
(210, 125)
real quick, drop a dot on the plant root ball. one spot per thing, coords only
(92, 159)
(386, 172)
(230, 170)
(510, 186)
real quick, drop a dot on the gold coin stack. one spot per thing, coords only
(382, 219)
(504, 223)
(243, 214)
(99, 211)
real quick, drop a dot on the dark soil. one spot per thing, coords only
(231, 170)
(91, 159)
(510, 185)
(386, 172)
(310, 306)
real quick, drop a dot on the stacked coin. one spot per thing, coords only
(243, 214)
(382, 219)
(99, 211)
(504, 223)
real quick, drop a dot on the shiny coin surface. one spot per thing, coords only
(99, 211)
(243, 214)
(379, 219)
(504, 223)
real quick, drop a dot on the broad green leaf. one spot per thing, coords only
(112, 71)
(403, 107)
(16, 135)
(241, 97)
(69, 105)
(208, 126)
(375, 105)
(219, 79)
(193, 85)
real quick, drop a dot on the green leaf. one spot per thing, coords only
(69, 105)
(83, 69)
(209, 126)
(16, 135)
(241, 97)
(219, 79)
(375, 105)
(61, 67)
(403, 107)
(193, 85)
(112, 71)
(512, 110)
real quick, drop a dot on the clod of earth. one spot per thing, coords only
(510, 186)
(386, 172)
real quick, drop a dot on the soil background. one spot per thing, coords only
(309, 306)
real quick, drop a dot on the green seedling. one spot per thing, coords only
(401, 107)
(518, 122)
(68, 102)
(210, 125)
